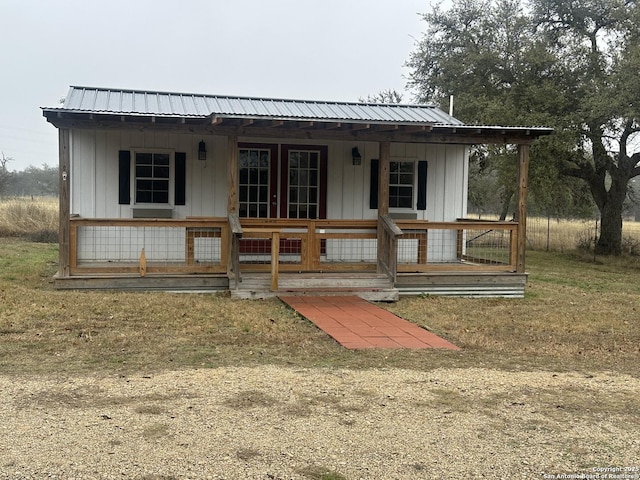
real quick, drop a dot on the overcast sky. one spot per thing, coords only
(302, 49)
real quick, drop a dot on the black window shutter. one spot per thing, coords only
(181, 178)
(373, 190)
(422, 185)
(124, 177)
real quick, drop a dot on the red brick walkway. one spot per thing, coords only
(356, 323)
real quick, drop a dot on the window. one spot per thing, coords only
(152, 174)
(401, 184)
(401, 177)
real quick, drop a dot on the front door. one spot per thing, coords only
(300, 177)
(258, 181)
(303, 192)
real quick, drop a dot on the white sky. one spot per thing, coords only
(302, 49)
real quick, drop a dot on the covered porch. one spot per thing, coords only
(257, 258)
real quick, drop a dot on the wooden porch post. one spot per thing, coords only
(521, 212)
(232, 174)
(383, 178)
(64, 161)
(383, 200)
(233, 262)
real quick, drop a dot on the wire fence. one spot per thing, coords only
(561, 234)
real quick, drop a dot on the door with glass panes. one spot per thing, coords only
(299, 177)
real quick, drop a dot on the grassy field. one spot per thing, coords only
(35, 219)
(564, 235)
(577, 316)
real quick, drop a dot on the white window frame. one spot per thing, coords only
(134, 184)
(413, 185)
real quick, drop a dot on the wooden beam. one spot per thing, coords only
(521, 212)
(385, 128)
(417, 128)
(246, 122)
(64, 160)
(360, 126)
(305, 124)
(331, 131)
(216, 121)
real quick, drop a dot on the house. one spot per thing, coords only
(180, 191)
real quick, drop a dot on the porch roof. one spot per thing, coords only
(247, 116)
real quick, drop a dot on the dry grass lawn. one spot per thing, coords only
(577, 315)
(543, 385)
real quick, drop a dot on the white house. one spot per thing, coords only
(183, 191)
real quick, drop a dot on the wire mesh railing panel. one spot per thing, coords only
(109, 245)
(124, 244)
(257, 250)
(428, 246)
(207, 245)
(350, 250)
(487, 247)
(468, 245)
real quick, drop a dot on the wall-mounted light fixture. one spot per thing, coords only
(202, 151)
(355, 156)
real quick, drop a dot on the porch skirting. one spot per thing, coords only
(369, 286)
(463, 284)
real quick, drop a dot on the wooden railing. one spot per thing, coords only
(388, 234)
(233, 262)
(461, 245)
(232, 245)
(164, 246)
(309, 245)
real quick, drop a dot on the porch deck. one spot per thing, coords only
(257, 258)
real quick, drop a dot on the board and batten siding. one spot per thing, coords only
(94, 171)
(94, 188)
(94, 179)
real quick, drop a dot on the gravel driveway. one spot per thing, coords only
(286, 423)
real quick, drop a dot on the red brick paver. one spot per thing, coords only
(356, 323)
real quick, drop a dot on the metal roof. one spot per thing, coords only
(166, 104)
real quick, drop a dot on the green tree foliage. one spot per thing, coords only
(34, 181)
(570, 64)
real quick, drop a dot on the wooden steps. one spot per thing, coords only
(369, 286)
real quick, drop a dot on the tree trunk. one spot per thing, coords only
(610, 239)
(506, 203)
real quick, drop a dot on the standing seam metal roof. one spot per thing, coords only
(136, 102)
